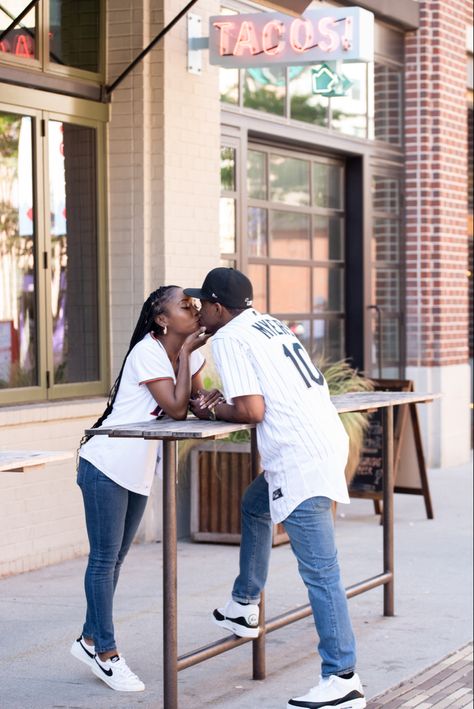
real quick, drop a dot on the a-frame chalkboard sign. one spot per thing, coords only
(409, 462)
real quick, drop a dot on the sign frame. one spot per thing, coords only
(260, 39)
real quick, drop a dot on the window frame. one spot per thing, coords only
(41, 106)
(42, 64)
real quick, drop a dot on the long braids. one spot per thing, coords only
(153, 306)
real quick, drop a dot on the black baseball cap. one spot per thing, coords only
(226, 286)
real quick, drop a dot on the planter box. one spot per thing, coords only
(220, 473)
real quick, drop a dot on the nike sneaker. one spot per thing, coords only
(83, 652)
(242, 620)
(331, 692)
(117, 674)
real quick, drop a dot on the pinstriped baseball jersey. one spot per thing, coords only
(302, 442)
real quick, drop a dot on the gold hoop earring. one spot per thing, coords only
(165, 329)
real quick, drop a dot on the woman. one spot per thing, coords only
(160, 373)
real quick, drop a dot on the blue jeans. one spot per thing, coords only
(112, 518)
(311, 532)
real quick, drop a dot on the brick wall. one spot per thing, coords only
(436, 186)
(42, 519)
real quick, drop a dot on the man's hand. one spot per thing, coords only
(203, 405)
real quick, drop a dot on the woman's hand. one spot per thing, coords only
(195, 341)
(204, 403)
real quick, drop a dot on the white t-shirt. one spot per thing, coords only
(131, 462)
(302, 442)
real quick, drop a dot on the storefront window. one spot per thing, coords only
(18, 291)
(49, 276)
(295, 244)
(18, 36)
(265, 90)
(304, 104)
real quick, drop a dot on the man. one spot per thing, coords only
(268, 379)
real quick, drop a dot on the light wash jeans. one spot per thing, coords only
(311, 532)
(113, 514)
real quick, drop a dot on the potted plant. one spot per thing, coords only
(220, 471)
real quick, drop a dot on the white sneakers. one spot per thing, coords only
(115, 672)
(332, 691)
(241, 620)
(83, 652)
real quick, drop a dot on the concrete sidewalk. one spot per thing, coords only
(41, 612)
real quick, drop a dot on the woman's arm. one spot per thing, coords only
(174, 398)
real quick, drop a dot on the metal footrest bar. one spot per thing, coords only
(230, 641)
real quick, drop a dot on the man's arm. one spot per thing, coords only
(245, 409)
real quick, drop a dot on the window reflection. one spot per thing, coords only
(387, 104)
(227, 225)
(289, 180)
(18, 308)
(229, 85)
(349, 112)
(256, 175)
(304, 104)
(386, 240)
(327, 185)
(327, 239)
(386, 194)
(328, 292)
(328, 340)
(257, 232)
(74, 33)
(265, 90)
(74, 277)
(290, 235)
(258, 276)
(20, 40)
(290, 289)
(227, 169)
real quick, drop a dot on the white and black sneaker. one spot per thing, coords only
(83, 652)
(332, 691)
(241, 619)
(117, 674)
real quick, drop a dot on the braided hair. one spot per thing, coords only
(153, 306)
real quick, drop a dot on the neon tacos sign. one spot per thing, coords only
(269, 38)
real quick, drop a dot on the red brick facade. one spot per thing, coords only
(436, 185)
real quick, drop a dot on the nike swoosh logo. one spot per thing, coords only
(91, 654)
(109, 673)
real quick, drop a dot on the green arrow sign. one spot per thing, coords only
(327, 82)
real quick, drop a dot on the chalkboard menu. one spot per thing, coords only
(369, 475)
(368, 480)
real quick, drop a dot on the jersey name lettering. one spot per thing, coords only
(270, 328)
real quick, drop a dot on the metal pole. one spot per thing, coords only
(258, 645)
(388, 591)
(170, 616)
(144, 52)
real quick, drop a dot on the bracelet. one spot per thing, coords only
(212, 415)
